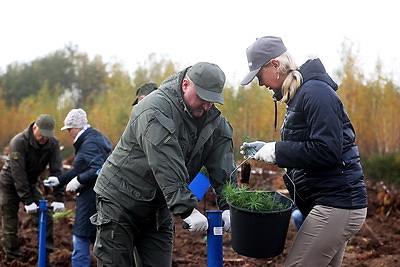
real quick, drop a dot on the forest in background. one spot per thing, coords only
(68, 78)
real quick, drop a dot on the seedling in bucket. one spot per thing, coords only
(258, 200)
(259, 221)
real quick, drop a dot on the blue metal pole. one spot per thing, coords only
(214, 238)
(42, 232)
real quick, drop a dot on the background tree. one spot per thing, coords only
(68, 78)
(153, 70)
(112, 108)
(91, 78)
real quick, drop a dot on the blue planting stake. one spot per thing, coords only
(42, 232)
(214, 238)
(199, 187)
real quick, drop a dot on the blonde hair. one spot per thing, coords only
(294, 78)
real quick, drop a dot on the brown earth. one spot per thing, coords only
(377, 243)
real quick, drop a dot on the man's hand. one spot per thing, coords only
(266, 153)
(58, 206)
(250, 149)
(73, 185)
(32, 208)
(51, 181)
(226, 219)
(197, 222)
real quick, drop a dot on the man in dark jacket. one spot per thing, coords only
(91, 150)
(171, 134)
(30, 153)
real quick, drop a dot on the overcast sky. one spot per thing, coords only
(188, 31)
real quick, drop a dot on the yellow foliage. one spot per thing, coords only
(373, 107)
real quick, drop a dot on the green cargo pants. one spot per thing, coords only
(119, 231)
(9, 206)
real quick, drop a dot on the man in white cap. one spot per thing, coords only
(91, 150)
(171, 134)
(31, 151)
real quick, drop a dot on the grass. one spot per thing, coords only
(67, 213)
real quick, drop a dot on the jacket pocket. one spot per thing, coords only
(102, 247)
(159, 129)
(136, 192)
(140, 201)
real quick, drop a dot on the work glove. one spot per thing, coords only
(250, 149)
(32, 208)
(266, 153)
(58, 206)
(73, 185)
(226, 219)
(197, 222)
(51, 181)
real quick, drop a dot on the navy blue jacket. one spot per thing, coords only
(91, 150)
(318, 146)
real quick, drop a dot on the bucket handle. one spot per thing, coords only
(294, 187)
(279, 193)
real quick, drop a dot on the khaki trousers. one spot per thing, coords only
(322, 238)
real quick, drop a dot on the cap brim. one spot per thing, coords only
(209, 96)
(65, 128)
(250, 76)
(136, 101)
(46, 133)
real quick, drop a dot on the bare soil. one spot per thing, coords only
(376, 244)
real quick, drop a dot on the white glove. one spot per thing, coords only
(226, 218)
(58, 206)
(73, 185)
(32, 208)
(197, 222)
(266, 153)
(51, 181)
(250, 149)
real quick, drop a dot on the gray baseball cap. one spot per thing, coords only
(260, 53)
(209, 81)
(46, 125)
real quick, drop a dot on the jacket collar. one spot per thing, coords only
(313, 69)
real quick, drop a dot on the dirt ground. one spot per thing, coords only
(377, 243)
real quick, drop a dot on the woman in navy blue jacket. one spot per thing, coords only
(91, 150)
(324, 175)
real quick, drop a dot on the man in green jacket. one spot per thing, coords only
(171, 134)
(31, 151)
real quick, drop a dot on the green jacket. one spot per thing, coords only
(26, 162)
(161, 151)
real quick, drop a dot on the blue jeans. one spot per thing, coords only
(297, 218)
(81, 254)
